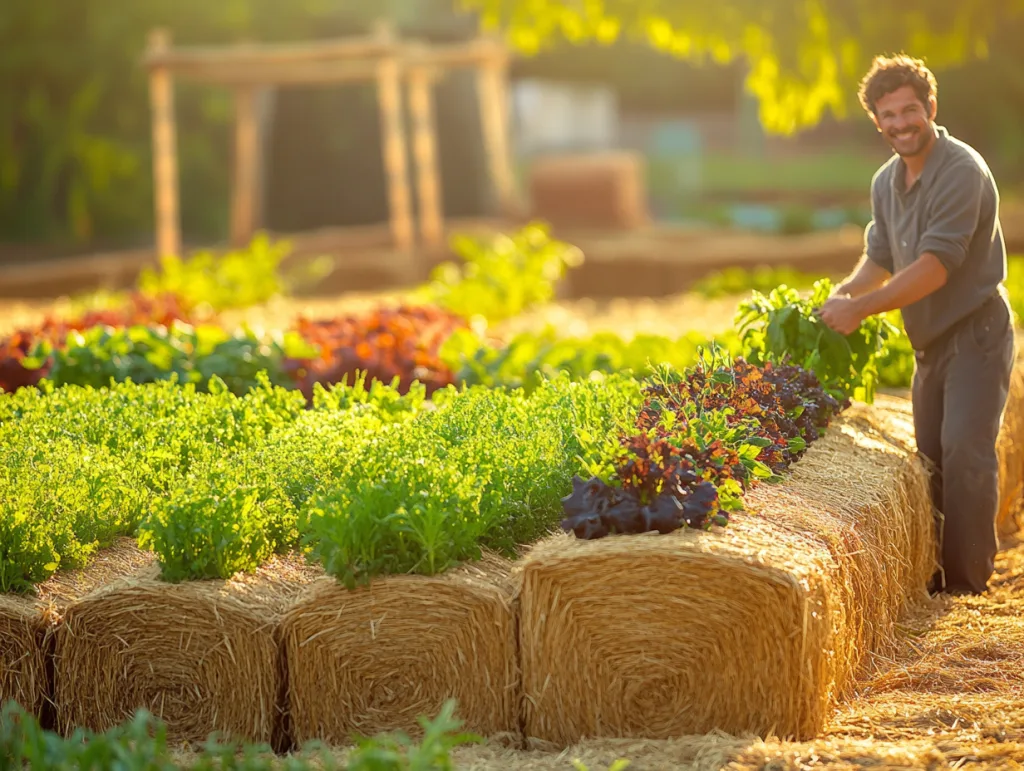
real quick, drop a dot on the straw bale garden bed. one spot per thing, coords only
(338, 528)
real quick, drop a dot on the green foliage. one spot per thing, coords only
(502, 276)
(1015, 285)
(804, 58)
(75, 139)
(57, 506)
(215, 536)
(387, 399)
(214, 483)
(485, 469)
(764, 278)
(896, 364)
(140, 744)
(783, 326)
(188, 354)
(81, 466)
(531, 357)
(237, 279)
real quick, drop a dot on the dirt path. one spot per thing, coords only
(951, 698)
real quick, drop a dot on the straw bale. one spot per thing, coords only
(756, 628)
(377, 657)
(22, 655)
(951, 696)
(203, 656)
(1011, 456)
(27, 621)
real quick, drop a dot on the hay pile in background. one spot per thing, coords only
(758, 628)
(375, 658)
(200, 655)
(27, 622)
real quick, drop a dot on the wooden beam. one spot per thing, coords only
(235, 75)
(280, 53)
(472, 54)
(492, 86)
(425, 156)
(165, 157)
(246, 193)
(336, 62)
(389, 95)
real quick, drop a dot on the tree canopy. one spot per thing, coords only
(804, 57)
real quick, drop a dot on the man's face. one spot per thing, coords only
(905, 121)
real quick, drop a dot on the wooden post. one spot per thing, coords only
(245, 191)
(165, 156)
(389, 94)
(425, 155)
(492, 81)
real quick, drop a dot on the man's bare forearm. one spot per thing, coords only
(924, 276)
(866, 277)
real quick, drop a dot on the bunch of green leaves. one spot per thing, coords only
(784, 327)
(383, 397)
(502, 276)
(216, 533)
(59, 504)
(189, 354)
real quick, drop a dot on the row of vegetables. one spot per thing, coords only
(171, 325)
(371, 479)
(367, 480)
(401, 440)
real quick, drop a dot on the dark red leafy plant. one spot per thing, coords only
(701, 440)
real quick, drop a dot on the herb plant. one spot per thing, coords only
(784, 327)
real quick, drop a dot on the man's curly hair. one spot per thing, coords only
(889, 73)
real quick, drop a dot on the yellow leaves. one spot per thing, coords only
(660, 33)
(805, 57)
(526, 40)
(608, 30)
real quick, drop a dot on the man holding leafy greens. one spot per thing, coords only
(935, 250)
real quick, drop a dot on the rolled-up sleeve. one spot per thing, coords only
(876, 234)
(953, 216)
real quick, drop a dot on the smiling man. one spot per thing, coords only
(935, 250)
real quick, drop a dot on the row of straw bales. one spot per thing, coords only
(761, 627)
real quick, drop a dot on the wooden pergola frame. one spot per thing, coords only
(251, 69)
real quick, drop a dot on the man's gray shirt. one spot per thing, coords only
(952, 211)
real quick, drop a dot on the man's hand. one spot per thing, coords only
(843, 314)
